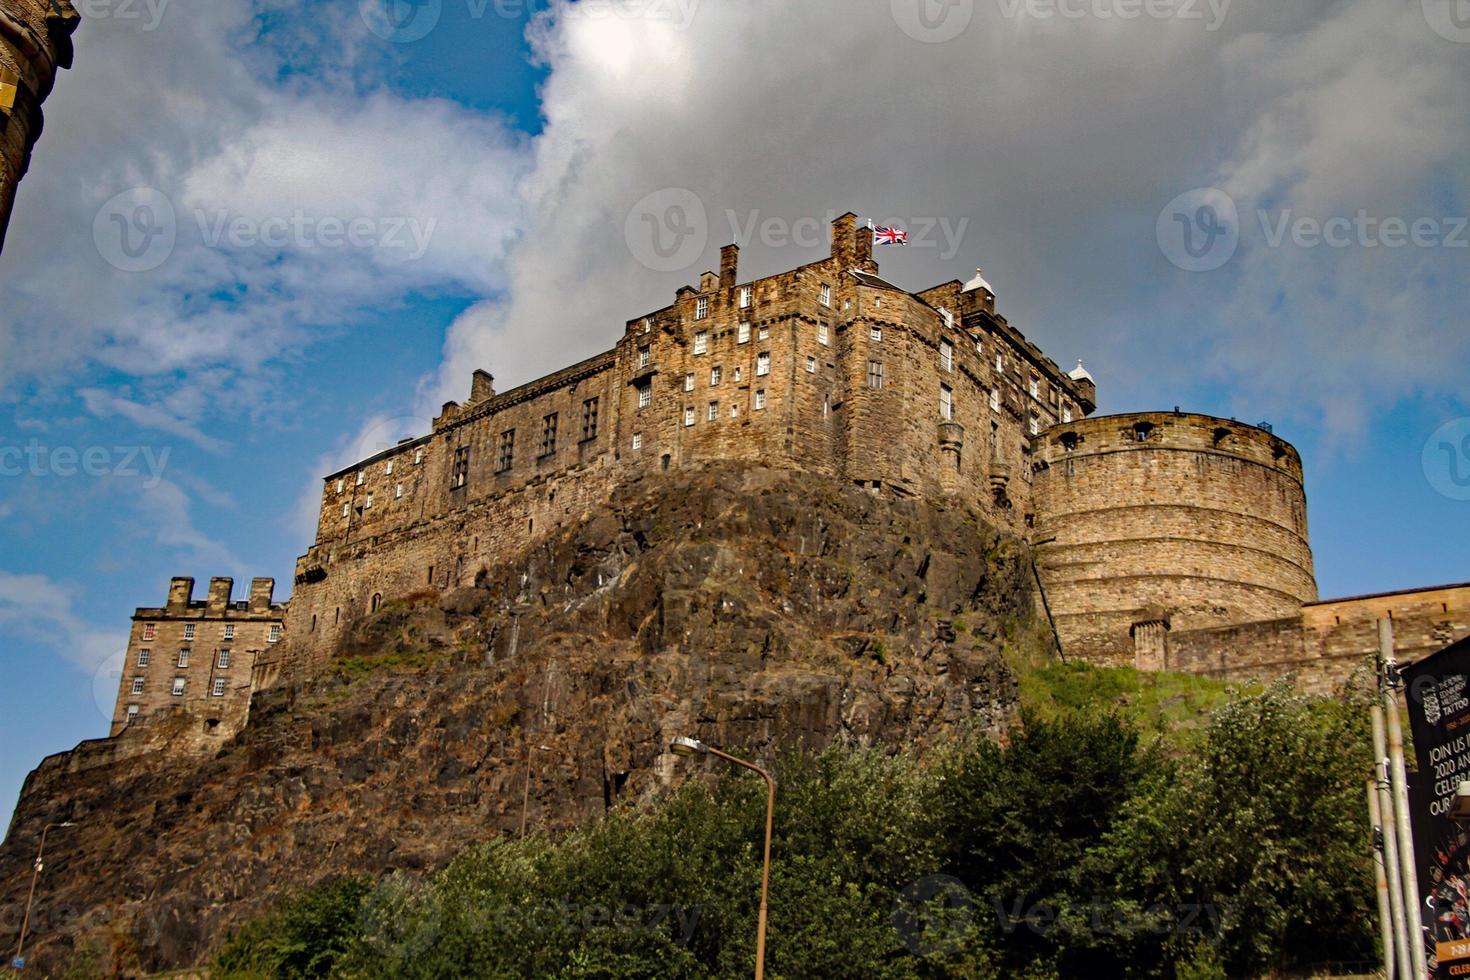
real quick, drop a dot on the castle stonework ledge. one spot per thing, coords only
(827, 368)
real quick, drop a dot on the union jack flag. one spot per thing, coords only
(889, 236)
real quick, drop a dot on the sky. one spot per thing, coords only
(264, 238)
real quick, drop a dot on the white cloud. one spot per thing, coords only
(43, 614)
(103, 404)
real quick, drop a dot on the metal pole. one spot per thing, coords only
(1390, 840)
(760, 928)
(25, 921)
(1399, 777)
(1380, 880)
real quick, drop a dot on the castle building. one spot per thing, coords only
(1163, 540)
(35, 40)
(199, 661)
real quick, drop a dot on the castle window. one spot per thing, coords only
(137, 686)
(995, 399)
(734, 411)
(461, 473)
(764, 333)
(218, 690)
(398, 492)
(875, 333)
(229, 631)
(418, 456)
(689, 382)
(340, 485)
(1142, 431)
(946, 356)
(189, 631)
(823, 337)
(948, 318)
(132, 712)
(875, 375)
(367, 504)
(222, 660)
(760, 399)
(1069, 441)
(713, 412)
(150, 630)
(826, 295)
(647, 325)
(762, 364)
(716, 375)
(811, 365)
(637, 440)
(179, 687)
(946, 403)
(589, 419)
(346, 509)
(376, 602)
(1035, 424)
(737, 375)
(979, 346)
(645, 394)
(184, 654)
(388, 470)
(688, 415)
(701, 308)
(742, 333)
(1066, 413)
(1035, 387)
(701, 342)
(548, 434)
(745, 297)
(144, 656)
(361, 476)
(645, 357)
(1000, 363)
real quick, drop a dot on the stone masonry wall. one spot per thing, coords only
(1195, 521)
(35, 40)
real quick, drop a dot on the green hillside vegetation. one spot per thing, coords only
(1138, 826)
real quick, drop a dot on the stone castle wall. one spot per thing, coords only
(35, 40)
(827, 368)
(1176, 518)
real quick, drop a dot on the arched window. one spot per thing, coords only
(377, 601)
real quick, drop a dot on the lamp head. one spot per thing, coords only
(687, 746)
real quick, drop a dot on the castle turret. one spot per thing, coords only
(35, 40)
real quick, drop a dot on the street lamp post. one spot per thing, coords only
(692, 746)
(25, 921)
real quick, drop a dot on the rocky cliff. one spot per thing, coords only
(761, 610)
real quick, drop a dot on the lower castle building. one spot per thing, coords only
(1166, 540)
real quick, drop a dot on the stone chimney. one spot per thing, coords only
(219, 593)
(180, 593)
(844, 241)
(729, 266)
(482, 386)
(261, 590)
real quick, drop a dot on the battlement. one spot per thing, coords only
(35, 41)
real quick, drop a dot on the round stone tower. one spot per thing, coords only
(35, 40)
(1162, 521)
